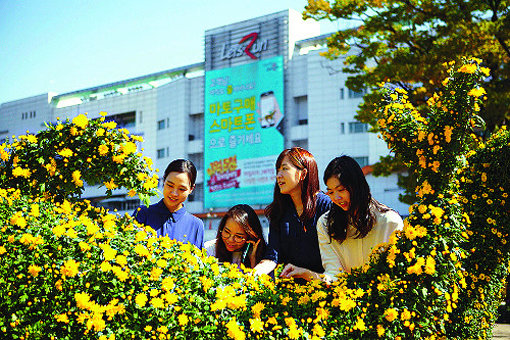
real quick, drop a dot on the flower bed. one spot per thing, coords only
(69, 270)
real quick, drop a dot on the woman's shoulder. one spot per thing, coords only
(210, 247)
(195, 219)
(322, 222)
(323, 202)
(389, 216)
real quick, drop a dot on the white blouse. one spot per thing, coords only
(210, 247)
(354, 252)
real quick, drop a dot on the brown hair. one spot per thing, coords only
(301, 159)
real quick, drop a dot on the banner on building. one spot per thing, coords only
(244, 109)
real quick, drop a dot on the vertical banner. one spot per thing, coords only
(244, 109)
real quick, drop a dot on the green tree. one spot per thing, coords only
(405, 42)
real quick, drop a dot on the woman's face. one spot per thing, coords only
(176, 190)
(233, 235)
(338, 193)
(289, 177)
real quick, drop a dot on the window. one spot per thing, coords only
(301, 103)
(196, 127)
(161, 153)
(342, 93)
(197, 159)
(342, 128)
(362, 161)
(124, 120)
(357, 127)
(161, 124)
(119, 203)
(354, 94)
(197, 194)
(302, 143)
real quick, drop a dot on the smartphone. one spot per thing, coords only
(268, 109)
(246, 252)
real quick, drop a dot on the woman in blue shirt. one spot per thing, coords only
(297, 204)
(169, 216)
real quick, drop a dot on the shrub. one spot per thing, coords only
(69, 270)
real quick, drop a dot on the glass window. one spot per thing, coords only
(161, 124)
(161, 153)
(362, 161)
(354, 94)
(196, 127)
(358, 127)
(301, 103)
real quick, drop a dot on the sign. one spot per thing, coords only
(251, 46)
(243, 123)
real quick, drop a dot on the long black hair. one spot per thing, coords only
(245, 216)
(360, 213)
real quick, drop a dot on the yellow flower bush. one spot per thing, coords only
(72, 271)
(59, 160)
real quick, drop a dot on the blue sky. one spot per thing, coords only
(62, 46)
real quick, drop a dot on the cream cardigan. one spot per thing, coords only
(354, 252)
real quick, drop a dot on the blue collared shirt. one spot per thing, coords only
(291, 242)
(179, 225)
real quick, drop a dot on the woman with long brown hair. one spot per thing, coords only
(239, 238)
(297, 204)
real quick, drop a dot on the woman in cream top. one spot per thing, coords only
(354, 252)
(355, 223)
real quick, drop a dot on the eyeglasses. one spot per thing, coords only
(225, 234)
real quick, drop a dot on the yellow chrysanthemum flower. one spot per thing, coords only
(81, 121)
(70, 268)
(390, 314)
(141, 299)
(34, 270)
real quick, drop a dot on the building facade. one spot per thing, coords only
(172, 110)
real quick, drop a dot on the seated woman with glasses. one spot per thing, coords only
(239, 238)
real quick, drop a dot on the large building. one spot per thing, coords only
(262, 87)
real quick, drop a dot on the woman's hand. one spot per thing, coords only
(253, 253)
(291, 270)
(264, 267)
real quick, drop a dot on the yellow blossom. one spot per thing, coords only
(70, 268)
(20, 172)
(257, 308)
(65, 152)
(478, 92)
(110, 125)
(110, 185)
(380, 330)
(128, 148)
(183, 319)
(390, 314)
(103, 149)
(256, 325)
(81, 121)
(62, 318)
(34, 270)
(82, 300)
(234, 331)
(469, 68)
(448, 133)
(141, 299)
(77, 178)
